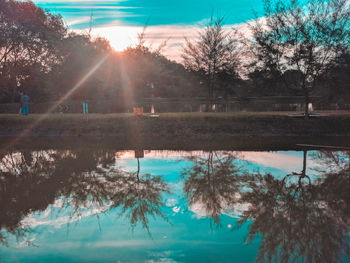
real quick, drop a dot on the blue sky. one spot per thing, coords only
(159, 12)
(121, 20)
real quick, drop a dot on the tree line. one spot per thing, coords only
(297, 48)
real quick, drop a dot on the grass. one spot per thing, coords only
(169, 115)
(177, 124)
(206, 131)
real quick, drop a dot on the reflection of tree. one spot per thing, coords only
(297, 218)
(25, 186)
(334, 161)
(212, 183)
(139, 196)
(107, 187)
(83, 180)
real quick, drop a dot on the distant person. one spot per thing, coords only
(85, 106)
(24, 103)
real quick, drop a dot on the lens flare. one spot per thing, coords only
(63, 98)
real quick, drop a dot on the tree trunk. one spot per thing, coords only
(303, 172)
(210, 92)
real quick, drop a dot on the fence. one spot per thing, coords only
(179, 105)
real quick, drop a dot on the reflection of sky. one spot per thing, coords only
(187, 237)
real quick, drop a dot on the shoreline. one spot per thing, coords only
(205, 131)
(239, 143)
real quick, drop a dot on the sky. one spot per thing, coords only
(120, 21)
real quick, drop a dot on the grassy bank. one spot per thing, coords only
(245, 131)
(176, 125)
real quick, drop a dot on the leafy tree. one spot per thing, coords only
(28, 39)
(302, 36)
(80, 53)
(214, 52)
(335, 83)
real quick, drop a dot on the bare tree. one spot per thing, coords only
(213, 51)
(302, 36)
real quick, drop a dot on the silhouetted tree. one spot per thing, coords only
(334, 83)
(29, 38)
(302, 36)
(213, 51)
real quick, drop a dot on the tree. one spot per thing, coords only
(29, 38)
(306, 37)
(80, 53)
(335, 82)
(213, 52)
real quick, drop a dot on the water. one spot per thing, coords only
(102, 205)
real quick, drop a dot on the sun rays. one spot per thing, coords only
(88, 74)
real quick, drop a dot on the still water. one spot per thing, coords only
(79, 205)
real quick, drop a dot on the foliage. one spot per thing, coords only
(28, 44)
(213, 54)
(302, 37)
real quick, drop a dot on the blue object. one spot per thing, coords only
(85, 108)
(25, 104)
(25, 109)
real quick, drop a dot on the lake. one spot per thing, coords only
(76, 204)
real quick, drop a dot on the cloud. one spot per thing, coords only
(121, 36)
(121, 21)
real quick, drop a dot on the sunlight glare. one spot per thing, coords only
(63, 98)
(120, 37)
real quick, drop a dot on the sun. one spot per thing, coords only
(120, 37)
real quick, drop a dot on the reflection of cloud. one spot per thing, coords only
(121, 243)
(32, 221)
(234, 210)
(164, 256)
(171, 202)
(166, 154)
(278, 160)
